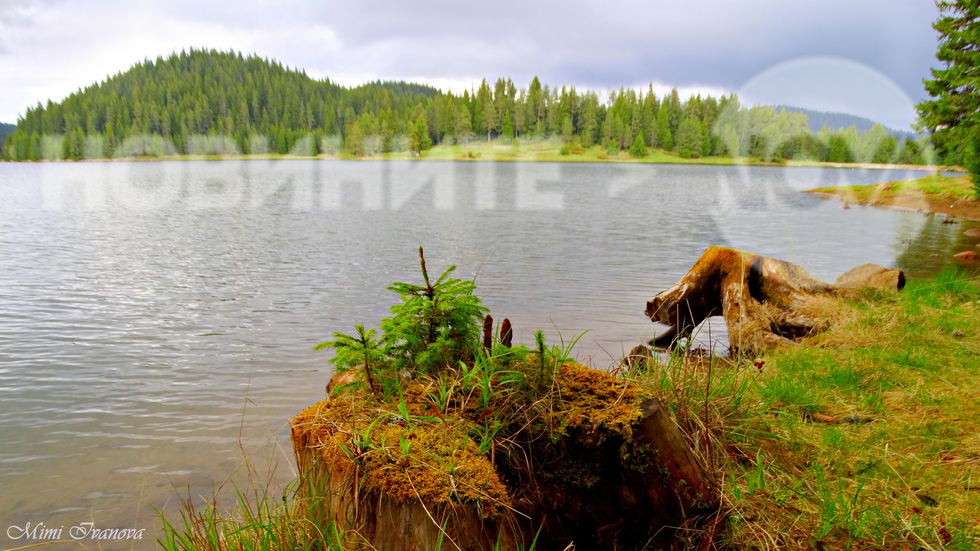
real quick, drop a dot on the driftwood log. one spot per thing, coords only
(765, 302)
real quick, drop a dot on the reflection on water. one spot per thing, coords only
(157, 319)
(926, 243)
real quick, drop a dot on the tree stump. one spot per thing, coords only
(765, 302)
(386, 524)
(692, 487)
(602, 465)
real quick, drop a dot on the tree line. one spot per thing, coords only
(211, 102)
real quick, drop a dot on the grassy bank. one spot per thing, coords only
(864, 437)
(532, 151)
(935, 193)
(555, 151)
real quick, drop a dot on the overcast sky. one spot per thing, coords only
(866, 57)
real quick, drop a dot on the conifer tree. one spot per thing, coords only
(689, 138)
(910, 154)
(462, 128)
(639, 147)
(588, 123)
(664, 137)
(507, 129)
(954, 114)
(203, 100)
(418, 139)
(956, 106)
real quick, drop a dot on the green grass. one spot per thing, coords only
(551, 151)
(258, 522)
(900, 469)
(932, 186)
(902, 464)
(533, 150)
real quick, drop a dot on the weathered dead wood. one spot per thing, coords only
(871, 276)
(691, 488)
(329, 497)
(765, 302)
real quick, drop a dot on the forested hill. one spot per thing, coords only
(214, 93)
(5, 129)
(215, 103)
(835, 121)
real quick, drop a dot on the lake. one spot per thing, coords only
(157, 319)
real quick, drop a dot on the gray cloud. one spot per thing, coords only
(696, 41)
(716, 44)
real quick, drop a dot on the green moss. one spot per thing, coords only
(408, 449)
(442, 466)
(593, 399)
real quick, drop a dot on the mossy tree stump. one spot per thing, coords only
(594, 461)
(397, 484)
(765, 302)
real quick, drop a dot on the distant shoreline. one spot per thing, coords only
(535, 152)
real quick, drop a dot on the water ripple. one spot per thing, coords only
(146, 348)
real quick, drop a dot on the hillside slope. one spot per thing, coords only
(201, 92)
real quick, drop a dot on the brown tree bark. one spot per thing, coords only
(765, 302)
(329, 497)
(690, 487)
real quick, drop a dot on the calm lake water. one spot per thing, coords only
(157, 319)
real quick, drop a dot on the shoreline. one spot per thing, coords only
(533, 152)
(952, 196)
(711, 161)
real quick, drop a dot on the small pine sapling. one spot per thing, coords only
(542, 350)
(352, 351)
(437, 325)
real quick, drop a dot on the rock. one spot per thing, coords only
(966, 256)
(958, 334)
(871, 276)
(972, 232)
(639, 358)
